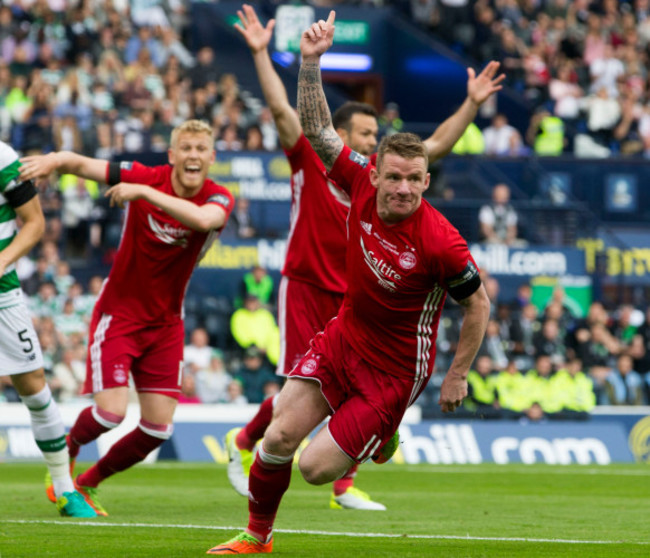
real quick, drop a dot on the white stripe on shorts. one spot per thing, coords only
(96, 352)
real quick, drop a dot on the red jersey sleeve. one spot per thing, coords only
(350, 169)
(223, 198)
(132, 171)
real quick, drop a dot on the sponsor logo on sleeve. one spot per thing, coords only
(221, 199)
(126, 165)
(359, 159)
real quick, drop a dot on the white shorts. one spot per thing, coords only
(20, 350)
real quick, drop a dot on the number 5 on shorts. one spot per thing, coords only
(22, 335)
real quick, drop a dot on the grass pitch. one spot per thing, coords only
(177, 510)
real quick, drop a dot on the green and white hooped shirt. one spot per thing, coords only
(12, 194)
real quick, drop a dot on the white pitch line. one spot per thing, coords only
(325, 533)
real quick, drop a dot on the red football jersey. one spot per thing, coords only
(399, 277)
(157, 254)
(317, 241)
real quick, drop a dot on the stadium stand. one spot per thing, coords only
(105, 81)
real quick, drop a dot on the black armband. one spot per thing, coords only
(21, 194)
(114, 174)
(465, 283)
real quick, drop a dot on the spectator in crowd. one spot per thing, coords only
(79, 197)
(254, 325)
(523, 330)
(256, 282)
(389, 120)
(236, 393)
(198, 353)
(624, 385)
(471, 142)
(501, 138)
(188, 393)
(70, 373)
(213, 380)
(254, 373)
(543, 393)
(498, 219)
(549, 342)
(545, 134)
(241, 221)
(575, 390)
(512, 391)
(494, 345)
(482, 389)
(46, 301)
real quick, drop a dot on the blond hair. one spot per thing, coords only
(192, 127)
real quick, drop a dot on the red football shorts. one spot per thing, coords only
(154, 355)
(303, 311)
(367, 404)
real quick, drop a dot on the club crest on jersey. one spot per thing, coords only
(407, 260)
(309, 366)
(358, 159)
(366, 227)
(119, 374)
(167, 234)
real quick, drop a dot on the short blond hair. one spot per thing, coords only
(192, 127)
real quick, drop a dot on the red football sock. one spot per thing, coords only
(126, 452)
(346, 481)
(254, 430)
(86, 428)
(267, 484)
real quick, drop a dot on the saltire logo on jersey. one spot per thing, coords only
(382, 269)
(366, 227)
(168, 235)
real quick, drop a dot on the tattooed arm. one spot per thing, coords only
(313, 110)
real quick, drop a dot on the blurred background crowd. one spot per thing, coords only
(112, 77)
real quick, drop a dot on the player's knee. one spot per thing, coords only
(107, 419)
(280, 441)
(314, 472)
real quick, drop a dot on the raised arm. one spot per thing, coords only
(65, 162)
(479, 89)
(313, 111)
(202, 218)
(476, 314)
(258, 38)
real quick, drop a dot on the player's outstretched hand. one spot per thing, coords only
(452, 392)
(480, 87)
(318, 38)
(125, 192)
(35, 166)
(256, 35)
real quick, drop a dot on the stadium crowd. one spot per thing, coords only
(582, 66)
(100, 78)
(534, 361)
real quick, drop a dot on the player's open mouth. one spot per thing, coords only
(193, 169)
